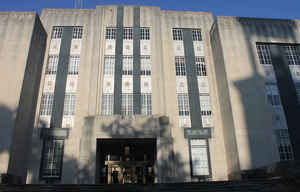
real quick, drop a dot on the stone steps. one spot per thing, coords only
(220, 186)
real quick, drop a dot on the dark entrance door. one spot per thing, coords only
(121, 161)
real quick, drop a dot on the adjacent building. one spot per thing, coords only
(134, 94)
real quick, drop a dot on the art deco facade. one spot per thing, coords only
(145, 94)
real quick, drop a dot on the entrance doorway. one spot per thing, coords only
(123, 161)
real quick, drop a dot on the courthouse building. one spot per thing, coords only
(134, 94)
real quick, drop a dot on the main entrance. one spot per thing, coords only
(122, 161)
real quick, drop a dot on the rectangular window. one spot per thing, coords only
(69, 104)
(57, 32)
(107, 104)
(200, 66)
(183, 104)
(145, 65)
(77, 32)
(109, 65)
(297, 86)
(196, 34)
(46, 104)
(273, 94)
(284, 145)
(52, 64)
(127, 104)
(146, 103)
(180, 66)
(127, 33)
(205, 105)
(74, 65)
(264, 54)
(127, 65)
(52, 156)
(199, 156)
(292, 54)
(110, 33)
(145, 33)
(177, 34)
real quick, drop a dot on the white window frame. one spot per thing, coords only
(199, 157)
(127, 33)
(177, 34)
(69, 104)
(127, 66)
(284, 145)
(46, 104)
(52, 64)
(200, 66)
(196, 35)
(264, 54)
(146, 104)
(77, 32)
(57, 32)
(145, 33)
(107, 107)
(74, 64)
(110, 33)
(273, 94)
(127, 104)
(205, 105)
(146, 66)
(183, 104)
(109, 65)
(180, 66)
(292, 54)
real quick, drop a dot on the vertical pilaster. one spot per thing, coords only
(119, 61)
(136, 62)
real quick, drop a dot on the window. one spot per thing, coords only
(180, 66)
(146, 104)
(145, 65)
(69, 104)
(284, 145)
(264, 54)
(127, 65)
(145, 33)
(177, 34)
(107, 104)
(205, 105)
(127, 33)
(196, 33)
(57, 32)
(200, 66)
(52, 158)
(46, 104)
(199, 156)
(292, 55)
(127, 104)
(183, 104)
(74, 65)
(297, 86)
(109, 65)
(273, 94)
(110, 33)
(77, 33)
(52, 64)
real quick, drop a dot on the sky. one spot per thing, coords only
(287, 9)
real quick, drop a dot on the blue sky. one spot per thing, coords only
(249, 8)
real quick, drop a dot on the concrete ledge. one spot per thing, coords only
(54, 133)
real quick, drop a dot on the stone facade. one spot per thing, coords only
(222, 85)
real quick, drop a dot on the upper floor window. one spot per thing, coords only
(292, 54)
(205, 105)
(110, 33)
(52, 64)
(77, 32)
(69, 104)
(264, 53)
(46, 104)
(145, 65)
(57, 32)
(177, 34)
(74, 65)
(297, 86)
(107, 104)
(284, 145)
(196, 34)
(145, 33)
(146, 103)
(127, 104)
(200, 66)
(183, 104)
(127, 65)
(127, 33)
(109, 65)
(180, 66)
(273, 94)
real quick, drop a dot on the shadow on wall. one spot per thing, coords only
(251, 90)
